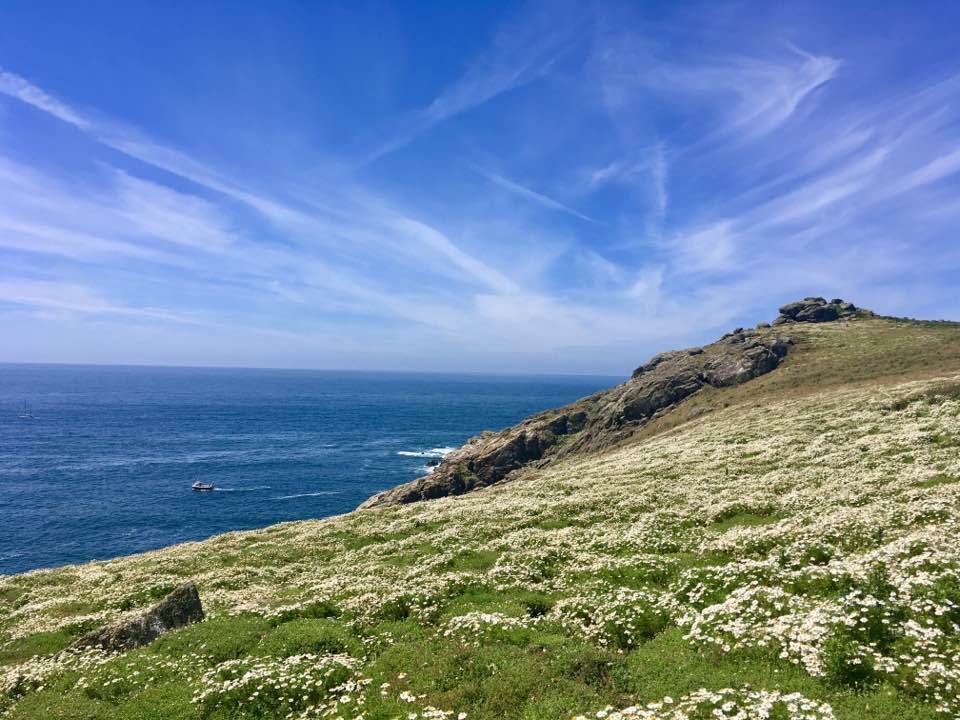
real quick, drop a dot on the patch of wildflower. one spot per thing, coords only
(618, 618)
(370, 608)
(733, 704)
(421, 598)
(429, 712)
(703, 586)
(300, 686)
(306, 608)
(432, 713)
(534, 568)
(928, 666)
(474, 627)
(760, 617)
(34, 674)
(124, 677)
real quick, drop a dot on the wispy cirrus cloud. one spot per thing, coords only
(185, 219)
(20, 88)
(525, 49)
(757, 94)
(534, 196)
(75, 298)
(653, 177)
(175, 217)
(937, 169)
(120, 216)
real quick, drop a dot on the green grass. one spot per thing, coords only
(43, 643)
(946, 440)
(938, 479)
(224, 638)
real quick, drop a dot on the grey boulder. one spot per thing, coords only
(181, 607)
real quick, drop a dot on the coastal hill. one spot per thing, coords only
(768, 526)
(610, 417)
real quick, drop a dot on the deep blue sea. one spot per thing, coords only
(104, 466)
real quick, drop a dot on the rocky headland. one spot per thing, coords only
(610, 417)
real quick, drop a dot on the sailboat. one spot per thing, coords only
(24, 412)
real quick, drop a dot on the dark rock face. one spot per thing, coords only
(757, 356)
(817, 309)
(179, 608)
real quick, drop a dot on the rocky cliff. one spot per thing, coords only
(611, 416)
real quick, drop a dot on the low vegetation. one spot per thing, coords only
(774, 554)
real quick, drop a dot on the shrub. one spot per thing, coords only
(846, 662)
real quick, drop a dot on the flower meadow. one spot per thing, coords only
(796, 558)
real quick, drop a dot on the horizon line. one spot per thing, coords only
(154, 366)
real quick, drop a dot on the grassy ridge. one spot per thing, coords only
(787, 544)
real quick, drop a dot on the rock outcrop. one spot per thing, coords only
(817, 309)
(179, 608)
(613, 415)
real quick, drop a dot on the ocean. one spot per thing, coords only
(101, 462)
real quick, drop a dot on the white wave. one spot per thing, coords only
(312, 494)
(249, 489)
(431, 453)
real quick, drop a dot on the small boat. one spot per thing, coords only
(24, 412)
(202, 486)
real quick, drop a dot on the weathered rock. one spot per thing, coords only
(756, 357)
(669, 382)
(818, 313)
(817, 309)
(179, 608)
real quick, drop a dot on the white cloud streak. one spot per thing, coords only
(25, 91)
(74, 298)
(523, 51)
(534, 196)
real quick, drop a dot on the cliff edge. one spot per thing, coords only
(611, 416)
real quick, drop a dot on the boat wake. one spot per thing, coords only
(310, 494)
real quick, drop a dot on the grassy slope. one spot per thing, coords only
(728, 546)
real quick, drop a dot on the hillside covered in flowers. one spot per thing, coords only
(787, 548)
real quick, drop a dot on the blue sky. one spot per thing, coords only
(552, 187)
